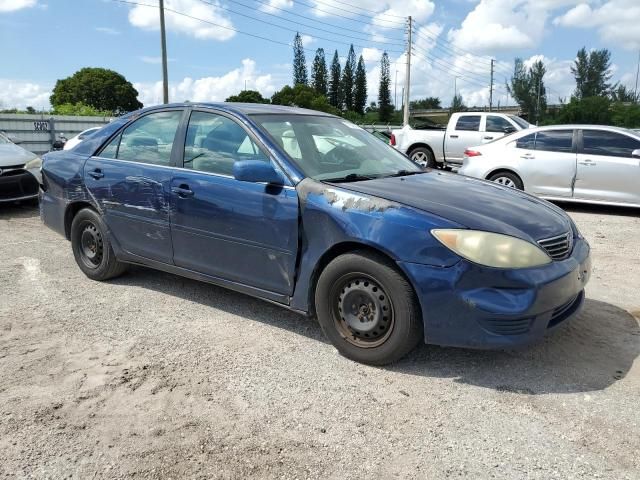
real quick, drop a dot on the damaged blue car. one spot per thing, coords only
(311, 212)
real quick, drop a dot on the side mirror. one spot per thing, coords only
(257, 171)
(636, 153)
(509, 130)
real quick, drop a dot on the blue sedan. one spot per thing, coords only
(308, 211)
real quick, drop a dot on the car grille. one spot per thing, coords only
(563, 312)
(558, 247)
(17, 184)
(507, 327)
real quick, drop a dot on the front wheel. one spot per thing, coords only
(367, 309)
(92, 248)
(508, 179)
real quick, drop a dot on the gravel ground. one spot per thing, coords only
(156, 376)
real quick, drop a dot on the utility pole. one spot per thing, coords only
(407, 81)
(163, 40)
(538, 101)
(637, 74)
(395, 93)
(491, 87)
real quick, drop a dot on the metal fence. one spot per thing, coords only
(37, 132)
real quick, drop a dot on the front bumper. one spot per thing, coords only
(18, 184)
(467, 305)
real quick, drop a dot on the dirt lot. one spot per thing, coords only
(155, 376)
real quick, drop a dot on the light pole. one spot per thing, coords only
(163, 41)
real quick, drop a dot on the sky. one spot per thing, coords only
(216, 47)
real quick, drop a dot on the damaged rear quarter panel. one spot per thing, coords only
(332, 215)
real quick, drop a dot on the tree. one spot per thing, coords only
(302, 96)
(592, 72)
(99, 88)
(248, 96)
(588, 110)
(299, 62)
(319, 74)
(528, 89)
(334, 82)
(347, 82)
(457, 104)
(31, 110)
(385, 108)
(80, 108)
(429, 103)
(620, 94)
(360, 87)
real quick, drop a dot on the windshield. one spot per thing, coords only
(521, 122)
(330, 148)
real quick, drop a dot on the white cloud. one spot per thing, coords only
(616, 21)
(107, 30)
(147, 18)
(13, 5)
(307, 40)
(501, 25)
(211, 89)
(276, 5)
(20, 94)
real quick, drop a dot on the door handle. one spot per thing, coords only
(588, 163)
(453, 136)
(488, 138)
(96, 174)
(527, 156)
(183, 191)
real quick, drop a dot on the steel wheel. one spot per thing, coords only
(506, 181)
(362, 310)
(421, 158)
(91, 245)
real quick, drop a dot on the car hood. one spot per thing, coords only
(475, 204)
(11, 154)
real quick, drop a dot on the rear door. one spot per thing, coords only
(239, 231)
(550, 169)
(465, 132)
(606, 169)
(129, 180)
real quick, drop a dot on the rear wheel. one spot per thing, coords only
(508, 179)
(92, 248)
(367, 309)
(423, 157)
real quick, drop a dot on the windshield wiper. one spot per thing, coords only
(404, 173)
(352, 177)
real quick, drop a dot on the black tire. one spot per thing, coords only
(384, 298)
(508, 179)
(92, 248)
(423, 157)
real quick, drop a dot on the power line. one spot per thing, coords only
(292, 21)
(370, 17)
(364, 9)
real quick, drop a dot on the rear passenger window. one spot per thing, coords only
(555, 141)
(612, 144)
(147, 140)
(469, 123)
(214, 143)
(528, 142)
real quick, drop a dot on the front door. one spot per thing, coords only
(239, 231)
(606, 169)
(129, 179)
(496, 127)
(551, 167)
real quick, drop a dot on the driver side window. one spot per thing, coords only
(214, 143)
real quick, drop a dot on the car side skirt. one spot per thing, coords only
(588, 201)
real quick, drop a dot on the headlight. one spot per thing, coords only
(492, 249)
(33, 163)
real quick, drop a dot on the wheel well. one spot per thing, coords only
(420, 145)
(70, 213)
(336, 251)
(503, 170)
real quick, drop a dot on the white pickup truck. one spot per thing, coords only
(445, 146)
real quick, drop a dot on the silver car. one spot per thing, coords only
(19, 172)
(574, 163)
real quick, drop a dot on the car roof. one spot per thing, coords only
(579, 126)
(241, 108)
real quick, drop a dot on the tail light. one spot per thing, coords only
(472, 153)
(392, 140)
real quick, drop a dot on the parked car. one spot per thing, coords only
(445, 147)
(73, 141)
(385, 254)
(575, 163)
(384, 135)
(19, 172)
